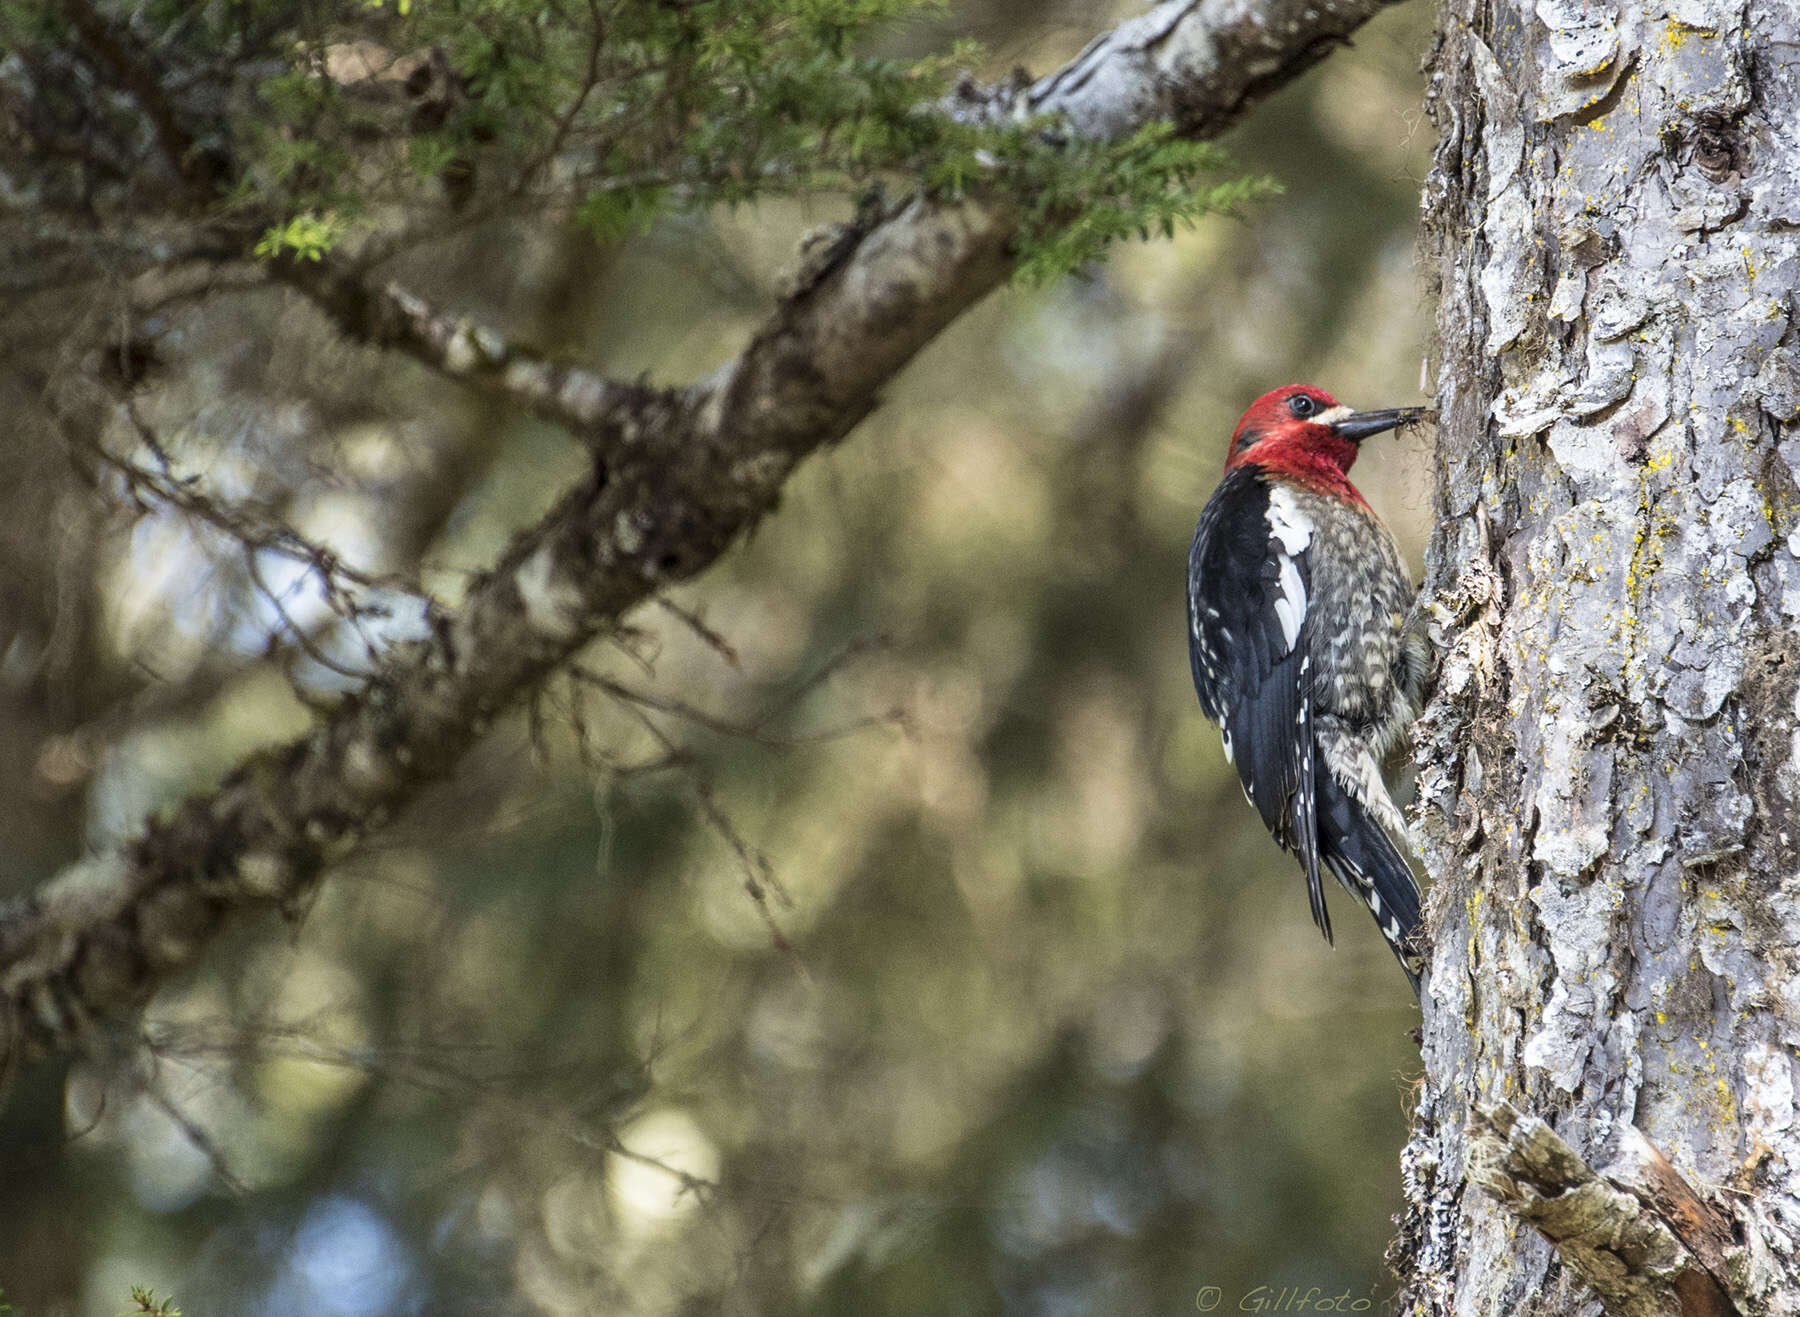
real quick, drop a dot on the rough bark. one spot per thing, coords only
(1610, 769)
(677, 476)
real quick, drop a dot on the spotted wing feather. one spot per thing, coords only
(1249, 578)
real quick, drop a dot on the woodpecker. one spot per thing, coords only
(1302, 653)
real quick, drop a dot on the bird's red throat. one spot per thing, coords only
(1311, 456)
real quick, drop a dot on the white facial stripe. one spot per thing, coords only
(1332, 415)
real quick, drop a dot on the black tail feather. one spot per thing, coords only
(1369, 865)
(1305, 825)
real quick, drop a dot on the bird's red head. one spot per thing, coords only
(1304, 434)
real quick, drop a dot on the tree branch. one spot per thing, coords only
(200, 168)
(1638, 1234)
(677, 476)
(459, 348)
(1197, 63)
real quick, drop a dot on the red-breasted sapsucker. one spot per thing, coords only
(1297, 627)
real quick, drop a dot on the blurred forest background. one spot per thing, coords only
(1029, 1016)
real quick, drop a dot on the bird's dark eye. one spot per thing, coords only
(1302, 406)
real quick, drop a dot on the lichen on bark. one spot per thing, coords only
(1608, 772)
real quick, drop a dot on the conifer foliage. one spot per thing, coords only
(295, 129)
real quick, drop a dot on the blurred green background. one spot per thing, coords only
(1028, 1017)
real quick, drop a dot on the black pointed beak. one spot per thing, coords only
(1358, 426)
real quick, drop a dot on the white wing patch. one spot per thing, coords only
(1290, 604)
(1287, 522)
(1292, 529)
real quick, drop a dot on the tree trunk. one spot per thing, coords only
(1607, 804)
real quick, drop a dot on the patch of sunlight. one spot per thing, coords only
(652, 1183)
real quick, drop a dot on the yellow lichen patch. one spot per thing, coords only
(1676, 35)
